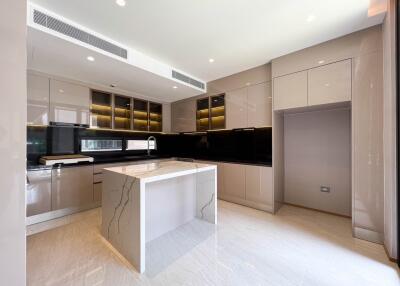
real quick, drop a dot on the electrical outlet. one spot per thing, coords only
(325, 189)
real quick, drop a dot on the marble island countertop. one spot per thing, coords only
(149, 172)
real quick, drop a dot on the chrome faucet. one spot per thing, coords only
(148, 144)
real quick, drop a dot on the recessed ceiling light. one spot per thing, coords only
(310, 18)
(321, 62)
(174, 87)
(113, 85)
(90, 59)
(211, 60)
(121, 3)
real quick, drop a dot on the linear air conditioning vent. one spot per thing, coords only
(54, 24)
(189, 80)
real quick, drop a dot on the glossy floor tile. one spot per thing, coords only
(247, 247)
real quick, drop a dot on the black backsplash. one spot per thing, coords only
(241, 145)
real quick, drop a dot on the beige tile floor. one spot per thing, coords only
(248, 247)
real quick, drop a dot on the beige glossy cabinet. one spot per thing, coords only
(259, 185)
(259, 105)
(38, 192)
(236, 108)
(72, 187)
(38, 99)
(183, 115)
(290, 91)
(234, 180)
(69, 103)
(330, 83)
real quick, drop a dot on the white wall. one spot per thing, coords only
(12, 141)
(389, 130)
(318, 153)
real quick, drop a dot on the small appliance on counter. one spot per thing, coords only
(65, 159)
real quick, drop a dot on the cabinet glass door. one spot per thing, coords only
(100, 110)
(203, 114)
(140, 115)
(155, 117)
(218, 111)
(122, 112)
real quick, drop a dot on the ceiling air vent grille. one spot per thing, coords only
(189, 80)
(73, 32)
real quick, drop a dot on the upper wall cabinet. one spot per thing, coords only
(290, 91)
(38, 99)
(259, 105)
(236, 108)
(321, 85)
(69, 103)
(330, 83)
(183, 115)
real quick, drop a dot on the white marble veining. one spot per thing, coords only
(142, 202)
(247, 247)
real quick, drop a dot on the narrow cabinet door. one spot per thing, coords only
(290, 91)
(234, 180)
(183, 116)
(259, 185)
(38, 99)
(259, 105)
(236, 108)
(330, 83)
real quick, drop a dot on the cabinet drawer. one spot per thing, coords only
(330, 83)
(290, 91)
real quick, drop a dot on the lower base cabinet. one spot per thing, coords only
(248, 185)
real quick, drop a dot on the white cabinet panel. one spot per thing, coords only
(234, 180)
(236, 108)
(290, 91)
(330, 83)
(259, 105)
(38, 99)
(69, 103)
(259, 184)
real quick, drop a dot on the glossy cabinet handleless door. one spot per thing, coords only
(38, 99)
(38, 192)
(234, 180)
(72, 187)
(236, 108)
(69, 103)
(330, 83)
(183, 115)
(259, 185)
(259, 105)
(290, 91)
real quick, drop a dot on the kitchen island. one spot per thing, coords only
(142, 202)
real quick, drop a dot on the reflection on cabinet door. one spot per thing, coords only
(234, 180)
(330, 83)
(72, 187)
(259, 185)
(69, 102)
(38, 192)
(236, 108)
(259, 105)
(290, 91)
(38, 99)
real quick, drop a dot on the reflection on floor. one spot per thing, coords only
(248, 247)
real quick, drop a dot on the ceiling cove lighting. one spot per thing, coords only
(121, 3)
(90, 59)
(211, 60)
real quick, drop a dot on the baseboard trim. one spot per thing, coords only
(258, 206)
(367, 234)
(317, 210)
(388, 255)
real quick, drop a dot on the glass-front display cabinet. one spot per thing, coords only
(140, 115)
(217, 108)
(101, 109)
(155, 117)
(202, 114)
(122, 112)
